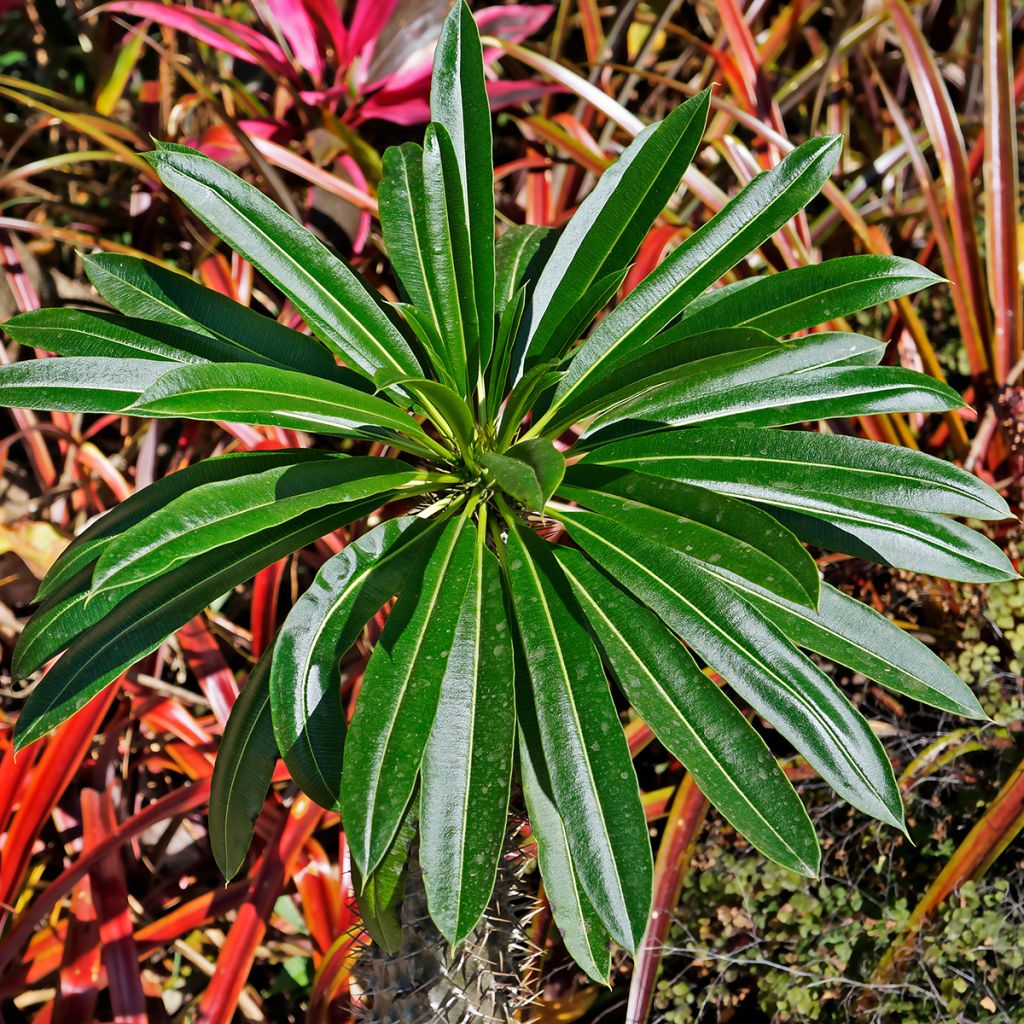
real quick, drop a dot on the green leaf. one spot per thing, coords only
(305, 688)
(403, 223)
(546, 461)
(687, 359)
(458, 100)
(380, 897)
(794, 300)
(78, 383)
(695, 720)
(535, 382)
(579, 924)
(449, 256)
(467, 763)
(114, 634)
(247, 393)
(515, 477)
(603, 236)
(850, 633)
(722, 533)
(399, 696)
(753, 654)
(91, 542)
(917, 541)
(592, 778)
(520, 254)
(831, 393)
(501, 359)
(528, 472)
(770, 200)
(776, 466)
(445, 408)
(429, 337)
(338, 307)
(242, 772)
(226, 511)
(146, 291)
(703, 380)
(77, 332)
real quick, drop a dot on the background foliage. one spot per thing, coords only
(105, 862)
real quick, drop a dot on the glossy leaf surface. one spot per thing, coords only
(592, 779)
(305, 685)
(146, 291)
(770, 466)
(246, 757)
(803, 297)
(695, 720)
(467, 763)
(338, 307)
(755, 658)
(399, 695)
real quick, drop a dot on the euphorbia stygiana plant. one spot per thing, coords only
(589, 498)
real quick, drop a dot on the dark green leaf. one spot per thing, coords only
(449, 258)
(226, 511)
(722, 533)
(78, 383)
(77, 332)
(686, 359)
(579, 924)
(520, 254)
(770, 200)
(501, 359)
(695, 720)
(777, 466)
(380, 897)
(467, 763)
(830, 393)
(601, 239)
(805, 296)
(458, 100)
(247, 393)
(446, 408)
(592, 778)
(403, 223)
(146, 291)
(90, 543)
(338, 307)
(850, 633)
(918, 541)
(242, 772)
(727, 375)
(399, 695)
(753, 654)
(547, 462)
(515, 477)
(349, 589)
(110, 638)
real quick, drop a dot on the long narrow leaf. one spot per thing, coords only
(305, 689)
(604, 234)
(755, 657)
(592, 777)
(770, 466)
(144, 290)
(338, 307)
(695, 720)
(458, 100)
(770, 200)
(399, 696)
(467, 763)
(241, 774)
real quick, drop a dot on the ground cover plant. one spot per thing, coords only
(465, 466)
